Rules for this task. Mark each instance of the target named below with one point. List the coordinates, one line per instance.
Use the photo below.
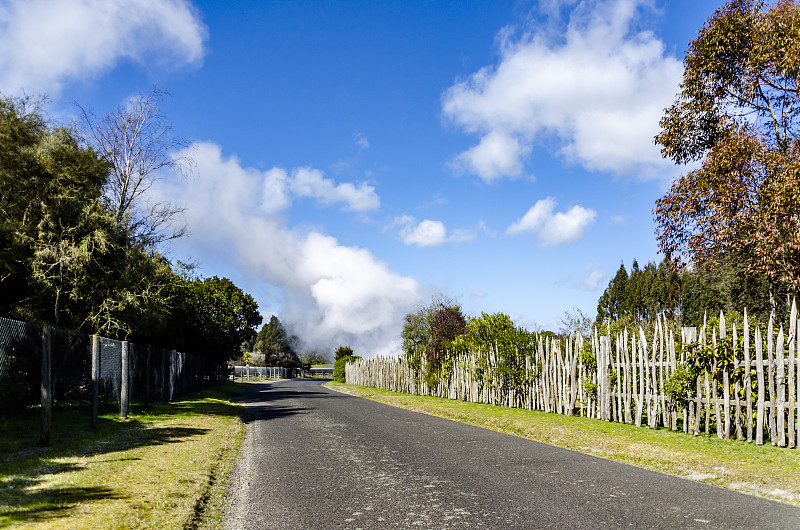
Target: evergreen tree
(277, 346)
(613, 302)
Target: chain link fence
(257, 373)
(20, 364)
(59, 369)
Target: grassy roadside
(165, 468)
(765, 471)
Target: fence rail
(742, 382)
(43, 365)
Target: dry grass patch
(765, 470)
(154, 470)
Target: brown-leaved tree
(737, 112)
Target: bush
(344, 356)
(679, 385)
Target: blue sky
(352, 158)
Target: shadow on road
(271, 413)
(268, 400)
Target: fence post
(147, 378)
(172, 373)
(123, 394)
(95, 379)
(46, 388)
(163, 379)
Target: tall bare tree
(138, 142)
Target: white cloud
(498, 154)
(534, 218)
(331, 294)
(588, 280)
(277, 187)
(275, 196)
(554, 229)
(427, 233)
(362, 142)
(592, 280)
(46, 43)
(598, 89)
(307, 182)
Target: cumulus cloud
(498, 154)
(45, 43)
(551, 228)
(427, 233)
(279, 186)
(307, 182)
(598, 88)
(332, 294)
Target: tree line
(80, 244)
(685, 295)
(437, 334)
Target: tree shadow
(23, 500)
(36, 506)
(270, 413)
(256, 393)
(24, 496)
(265, 401)
(178, 408)
(143, 435)
(19, 429)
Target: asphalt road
(316, 458)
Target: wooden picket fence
(747, 389)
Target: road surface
(316, 458)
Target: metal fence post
(172, 373)
(163, 375)
(95, 379)
(47, 390)
(147, 378)
(123, 394)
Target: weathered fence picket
(628, 379)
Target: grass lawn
(765, 470)
(163, 468)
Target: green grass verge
(765, 470)
(20, 431)
(163, 468)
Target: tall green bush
(344, 356)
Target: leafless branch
(138, 143)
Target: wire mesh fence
(57, 369)
(256, 373)
(20, 357)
